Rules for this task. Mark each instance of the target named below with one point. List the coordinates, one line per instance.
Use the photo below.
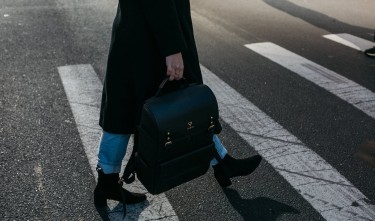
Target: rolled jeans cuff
(112, 150)
(221, 150)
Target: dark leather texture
(175, 137)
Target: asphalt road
(46, 173)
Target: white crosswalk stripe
(350, 41)
(331, 194)
(83, 89)
(347, 90)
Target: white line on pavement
(347, 90)
(331, 194)
(319, 183)
(83, 89)
(351, 41)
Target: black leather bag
(173, 144)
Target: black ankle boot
(230, 167)
(110, 187)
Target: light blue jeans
(112, 150)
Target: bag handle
(165, 81)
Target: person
(151, 40)
(366, 152)
(371, 51)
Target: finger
(179, 71)
(179, 67)
(171, 73)
(170, 70)
(179, 75)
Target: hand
(175, 66)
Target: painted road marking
(319, 183)
(331, 194)
(351, 41)
(347, 90)
(83, 89)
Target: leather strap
(165, 81)
(130, 168)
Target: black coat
(144, 32)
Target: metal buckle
(190, 125)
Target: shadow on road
(318, 19)
(258, 209)
(117, 213)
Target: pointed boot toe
(133, 198)
(230, 167)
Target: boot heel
(221, 178)
(99, 199)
